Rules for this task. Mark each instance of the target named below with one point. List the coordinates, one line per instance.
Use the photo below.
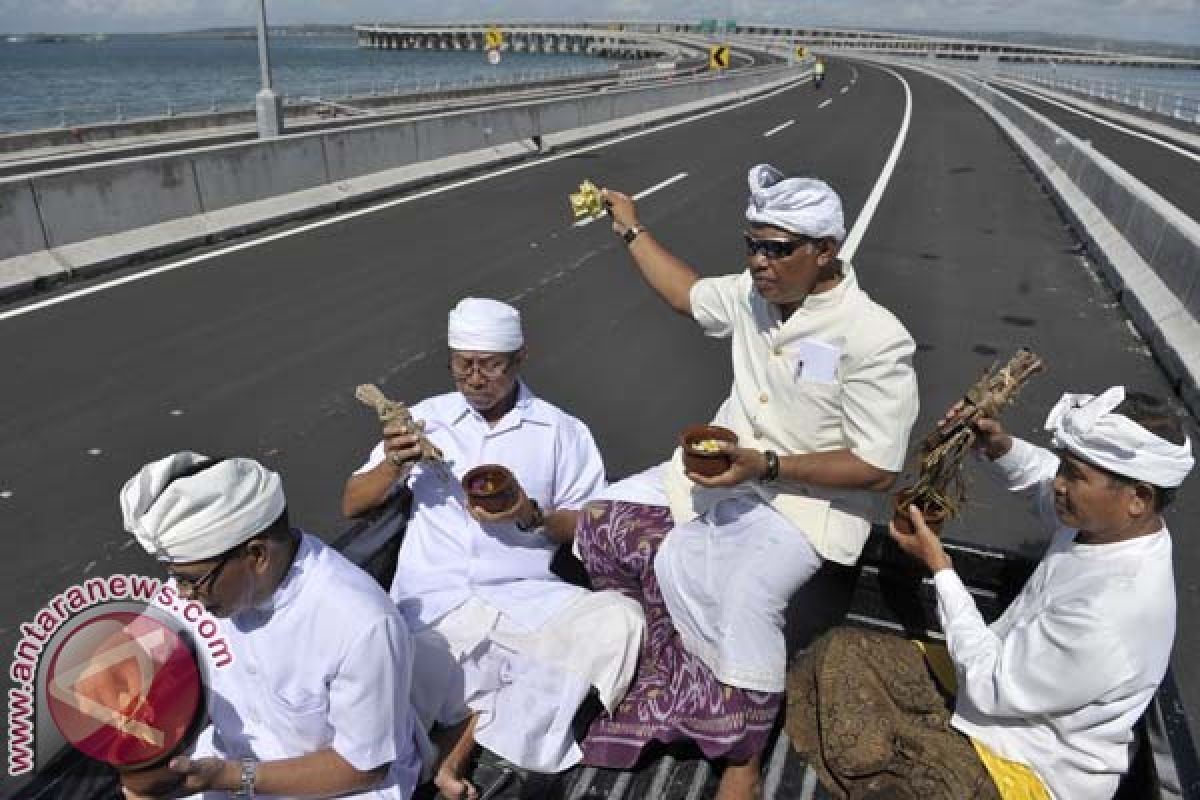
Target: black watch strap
(632, 233)
(771, 474)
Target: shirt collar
(525, 410)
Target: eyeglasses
(192, 586)
(773, 249)
(490, 368)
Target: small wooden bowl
(706, 464)
(491, 487)
(934, 518)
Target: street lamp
(267, 105)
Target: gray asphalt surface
(258, 352)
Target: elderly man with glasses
(315, 702)
(494, 626)
(823, 399)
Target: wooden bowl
(491, 487)
(701, 463)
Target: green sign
(731, 26)
(708, 25)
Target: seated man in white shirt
(823, 399)
(1047, 696)
(493, 625)
(315, 702)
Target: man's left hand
(199, 775)
(521, 512)
(746, 464)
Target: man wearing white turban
(823, 399)
(315, 702)
(494, 627)
(1048, 694)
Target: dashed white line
(778, 128)
(643, 193)
(868, 211)
(375, 209)
(90, 566)
(176, 412)
(95, 451)
(845, 89)
(7, 494)
(827, 102)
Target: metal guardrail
(1151, 101)
(338, 91)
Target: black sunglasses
(773, 249)
(191, 586)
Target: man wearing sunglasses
(823, 399)
(315, 702)
(494, 627)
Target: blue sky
(1166, 20)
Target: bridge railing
(1152, 101)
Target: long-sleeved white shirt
(1060, 679)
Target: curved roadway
(257, 351)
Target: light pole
(267, 105)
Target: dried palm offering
(392, 412)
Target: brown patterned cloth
(674, 695)
(865, 711)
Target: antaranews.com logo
(115, 667)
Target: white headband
(483, 325)
(804, 206)
(203, 515)
(1085, 425)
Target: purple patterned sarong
(674, 695)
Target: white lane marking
(1109, 124)
(177, 412)
(88, 567)
(845, 89)
(361, 212)
(778, 128)
(868, 211)
(827, 102)
(95, 451)
(7, 494)
(643, 193)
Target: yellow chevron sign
(494, 38)
(718, 57)
(801, 52)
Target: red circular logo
(124, 688)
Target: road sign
(801, 51)
(493, 57)
(493, 39)
(718, 57)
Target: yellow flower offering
(587, 202)
(707, 446)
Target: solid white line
(214, 254)
(864, 218)
(1137, 134)
(643, 193)
(778, 128)
(827, 102)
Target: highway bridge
(254, 347)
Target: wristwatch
(772, 472)
(632, 233)
(536, 521)
(249, 776)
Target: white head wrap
(486, 326)
(1085, 425)
(804, 206)
(203, 515)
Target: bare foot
(740, 781)
(453, 787)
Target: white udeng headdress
(484, 325)
(1085, 425)
(804, 206)
(203, 515)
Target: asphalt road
(1173, 175)
(257, 352)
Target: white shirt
(836, 375)
(447, 556)
(326, 664)
(1060, 679)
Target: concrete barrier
(101, 216)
